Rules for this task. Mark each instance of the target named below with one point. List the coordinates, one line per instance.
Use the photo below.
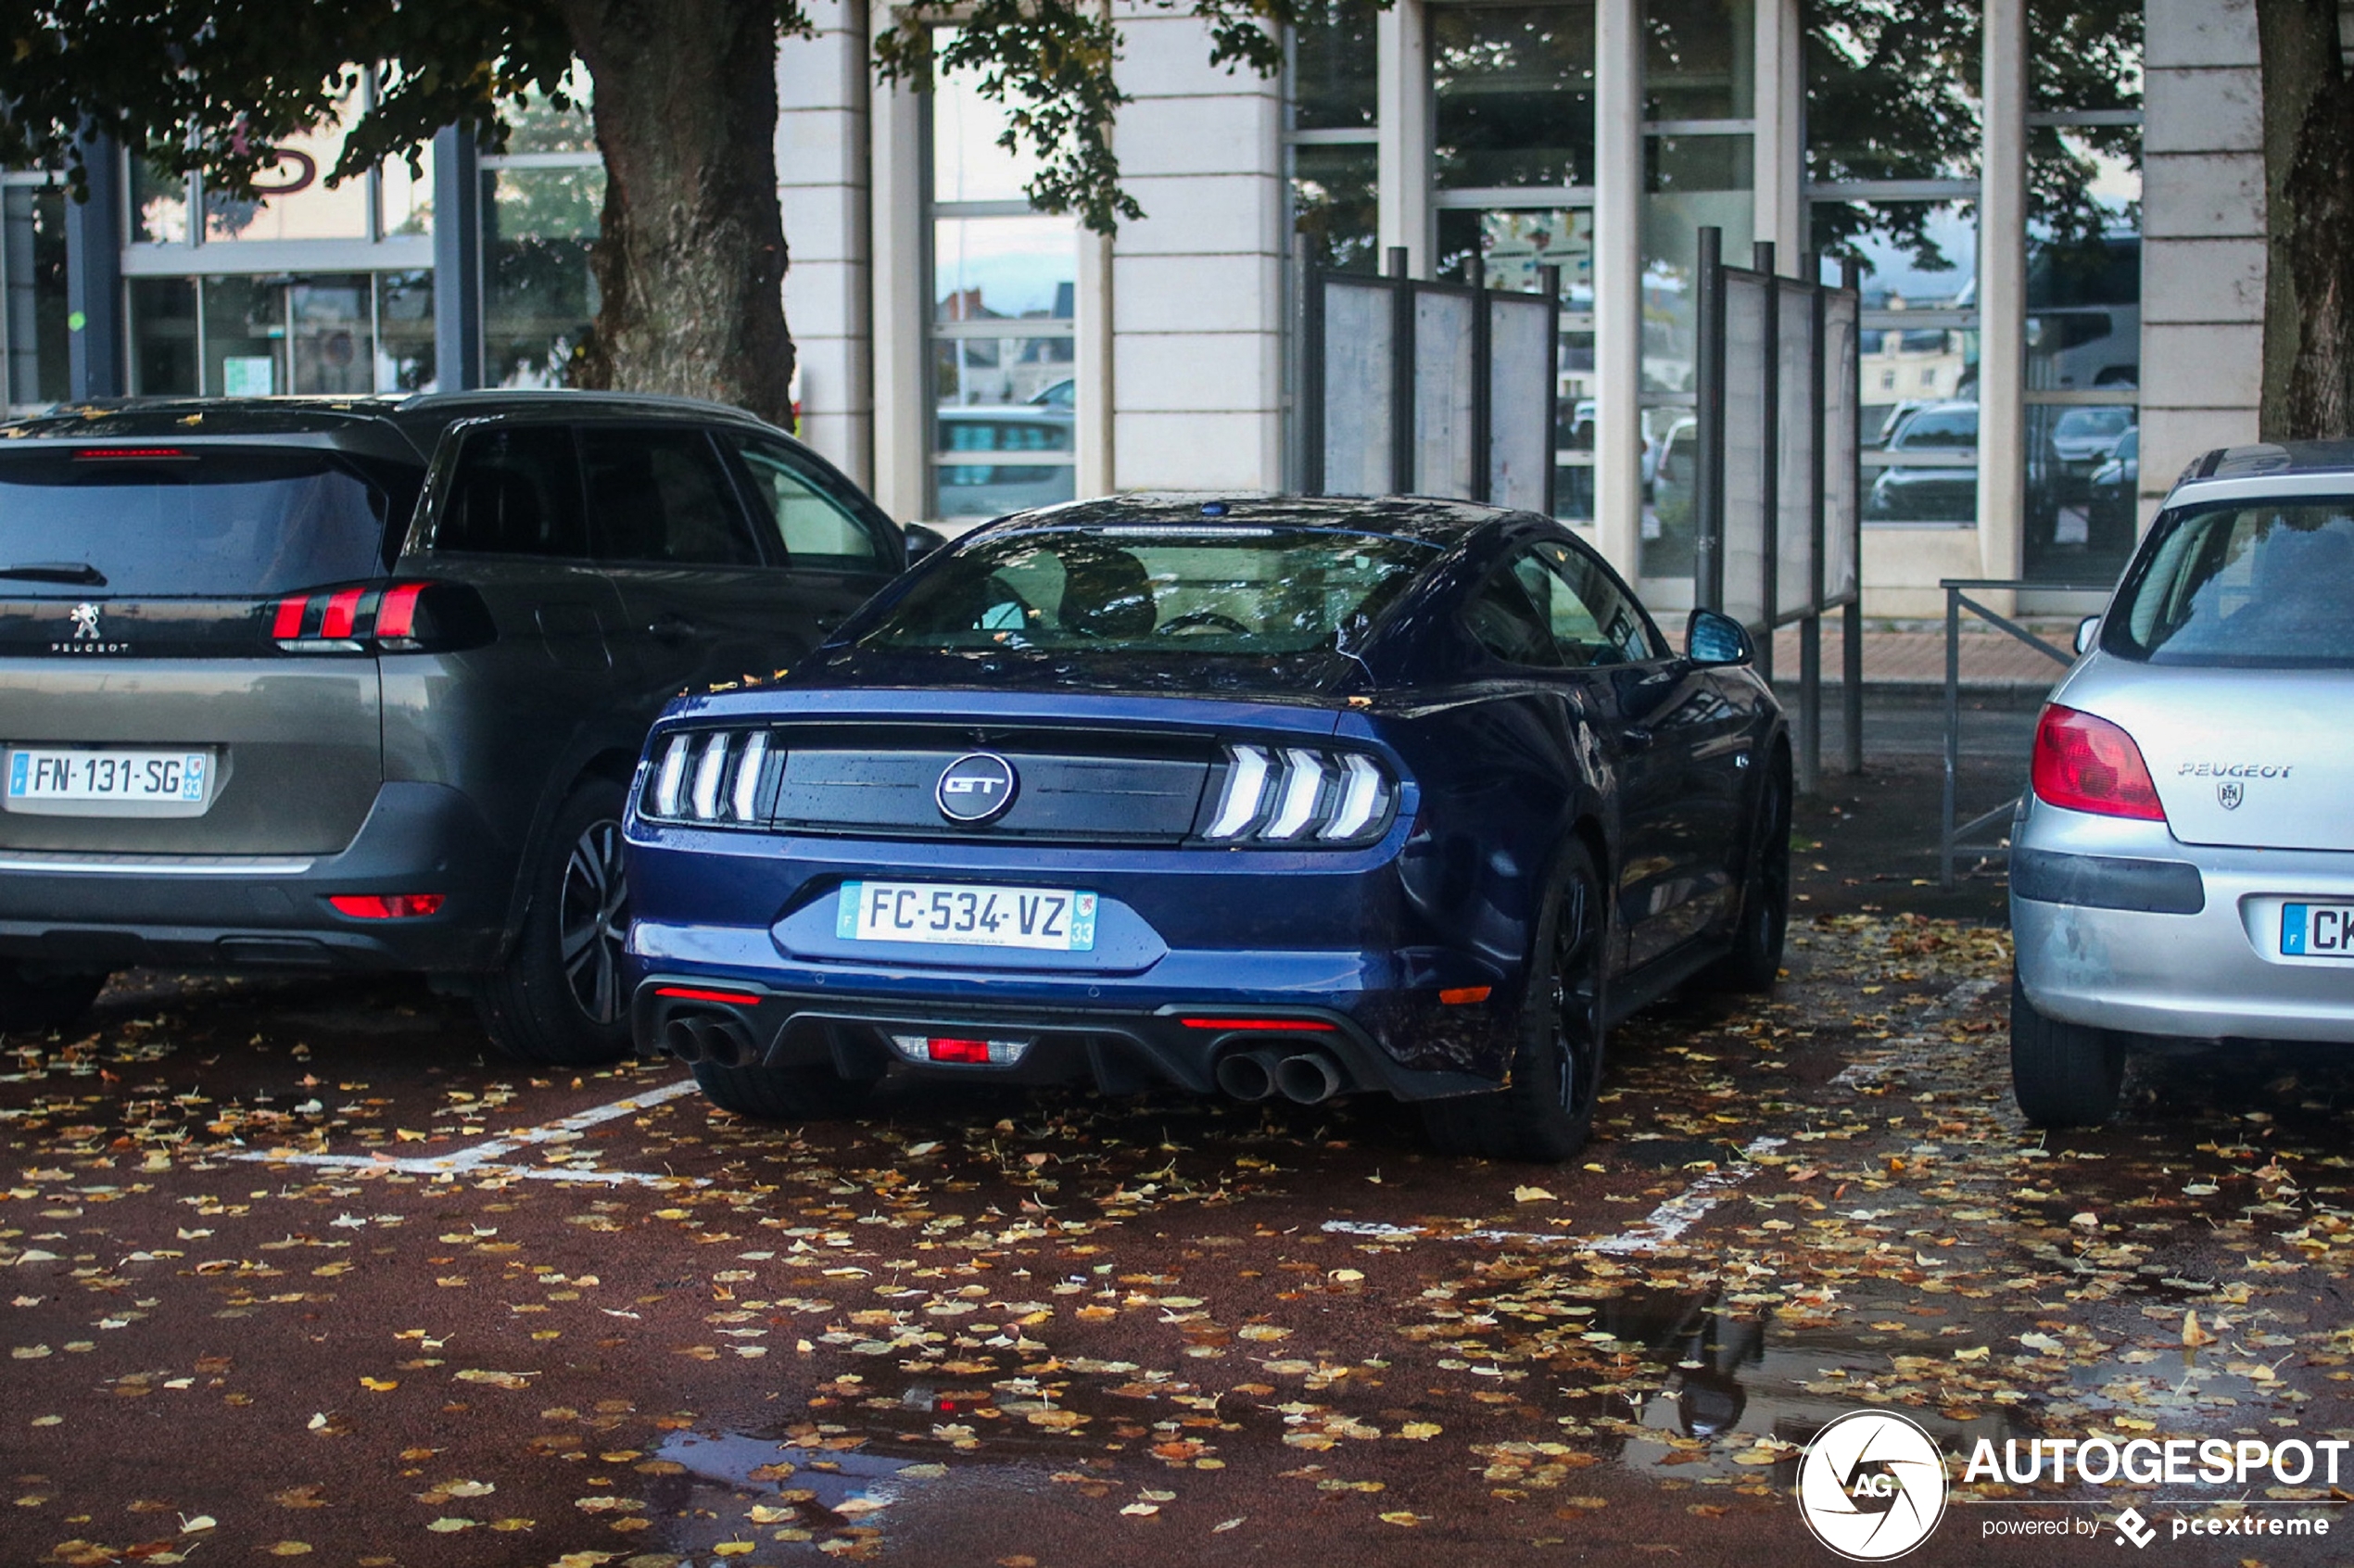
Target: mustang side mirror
(1712, 639)
(2088, 631)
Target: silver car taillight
(711, 775)
(1301, 795)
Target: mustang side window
(816, 531)
(1591, 621)
(1508, 622)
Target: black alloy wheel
(1546, 1109)
(561, 998)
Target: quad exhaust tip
(1310, 1077)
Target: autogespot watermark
(1873, 1485)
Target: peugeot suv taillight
(397, 617)
(1277, 794)
(2088, 764)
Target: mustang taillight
(708, 775)
(2088, 764)
(1300, 795)
(380, 618)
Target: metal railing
(1954, 837)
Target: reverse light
(387, 906)
(959, 1050)
(2087, 764)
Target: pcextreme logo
(1872, 1486)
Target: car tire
(2062, 1074)
(773, 1094)
(1755, 962)
(1546, 1109)
(34, 1000)
(561, 999)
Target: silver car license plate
(1050, 920)
(81, 781)
(2317, 931)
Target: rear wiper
(58, 572)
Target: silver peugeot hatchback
(2182, 869)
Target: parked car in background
(359, 683)
(1260, 797)
(1935, 492)
(2183, 870)
(2084, 438)
(2115, 490)
(987, 476)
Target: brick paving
(1907, 654)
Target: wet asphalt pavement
(296, 1271)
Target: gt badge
(978, 786)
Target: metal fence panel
(1358, 388)
(1794, 474)
(1744, 536)
(1446, 454)
(1840, 392)
(1520, 369)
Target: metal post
(1549, 282)
(1311, 383)
(456, 260)
(1851, 280)
(1482, 384)
(93, 277)
(1708, 455)
(1810, 632)
(1952, 734)
(1769, 467)
(1402, 374)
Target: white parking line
(1662, 1225)
(482, 1158)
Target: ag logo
(2230, 793)
(1872, 1486)
(976, 788)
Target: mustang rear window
(1157, 587)
(203, 525)
(2261, 585)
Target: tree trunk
(2308, 220)
(692, 260)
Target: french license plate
(1050, 919)
(42, 775)
(2317, 931)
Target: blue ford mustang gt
(1253, 797)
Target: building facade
(962, 354)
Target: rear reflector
(1262, 1026)
(959, 1050)
(696, 993)
(387, 906)
(1462, 995)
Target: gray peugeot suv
(359, 683)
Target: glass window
(1334, 50)
(405, 199)
(33, 263)
(292, 200)
(331, 335)
(1515, 95)
(404, 332)
(159, 204)
(1592, 619)
(515, 490)
(232, 524)
(1152, 588)
(539, 294)
(2264, 584)
(1891, 93)
(1696, 59)
(539, 126)
(663, 495)
(1691, 180)
(1507, 621)
(1335, 202)
(163, 337)
(815, 530)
